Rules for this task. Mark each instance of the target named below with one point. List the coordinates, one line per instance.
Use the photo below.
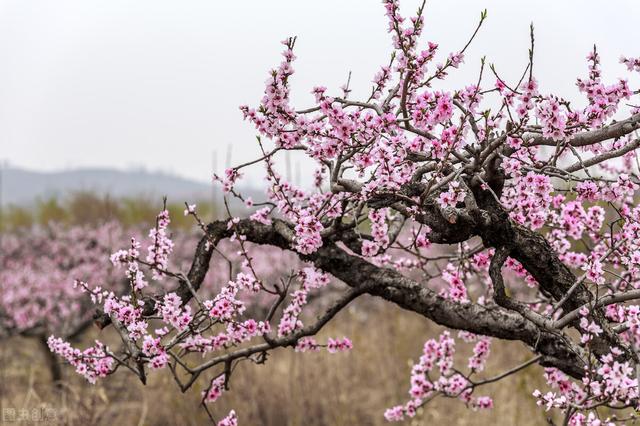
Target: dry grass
(292, 389)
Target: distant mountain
(20, 186)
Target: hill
(21, 186)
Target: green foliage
(86, 208)
(15, 218)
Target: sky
(157, 84)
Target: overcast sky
(157, 83)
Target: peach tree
(495, 210)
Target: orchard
(495, 210)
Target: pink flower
(191, 209)
(230, 420)
(215, 389)
(339, 345)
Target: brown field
(291, 389)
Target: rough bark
(488, 221)
(390, 285)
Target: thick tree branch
(612, 131)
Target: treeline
(86, 208)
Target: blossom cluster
(91, 363)
(437, 358)
(37, 269)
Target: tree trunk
(53, 362)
